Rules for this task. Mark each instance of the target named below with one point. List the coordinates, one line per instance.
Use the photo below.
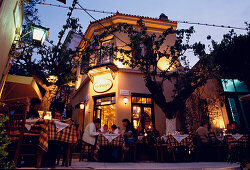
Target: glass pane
(144, 100)
(245, 108)
(148, 100)
(108, 115)
(234, 111)
(136, 99)
(228, 85)
(147, 117)
(240, 86)
(136, 116)
(133, 99)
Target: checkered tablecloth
(172, 142)
(232, 142)
(48, 131)
(102, 141)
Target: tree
(186, 80)
(51, 59)
(232, 56)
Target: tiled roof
(129, 15)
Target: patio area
(150, 165)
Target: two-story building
(112, 91)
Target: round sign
(103, 85)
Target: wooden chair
(21, 142)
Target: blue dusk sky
(219, 12)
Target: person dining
(105, 129)
(130, 133)
(32, 108)
(59, 108)
(114, 129)
(203, 142)
(89, 136)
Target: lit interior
(107, 115)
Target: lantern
(125, 100)
(82, 106)
(39, 34)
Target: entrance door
(105, 109)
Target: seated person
(105, 129)
(130, 133)
(32, 108)
(59, 108)
(233, 128)
(154, 132)
(114, 129)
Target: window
(237, 110)
(233, 85)
(142, 111)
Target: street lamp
(39, 34)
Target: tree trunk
(48, 97)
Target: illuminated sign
(103, 85)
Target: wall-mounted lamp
(82, 106)
(125, 100)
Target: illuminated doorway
(105, 109)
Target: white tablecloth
(179, 138)
(60, 125)
(111, 137)
(237, 136)
(30, 122)
(220, 138)
(165, 138)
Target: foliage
(186, 80)
(232, 56)
(49, 59)
(4, 141)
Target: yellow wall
(126, 78)
(7, 33)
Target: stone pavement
(153, 165)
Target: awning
(18, 88)
(246, 97)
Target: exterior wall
(125, 79)
(215, 105)
(9, 30)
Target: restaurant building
(112, 91)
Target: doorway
(105, 109)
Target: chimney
(163, 17)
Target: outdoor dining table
(236, 140)
(110, 141)
(54, 131)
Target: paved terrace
(153, 165)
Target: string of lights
(179, 21)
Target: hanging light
(82, 106)
(39, 34)
(125, 100)
(52, 79)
